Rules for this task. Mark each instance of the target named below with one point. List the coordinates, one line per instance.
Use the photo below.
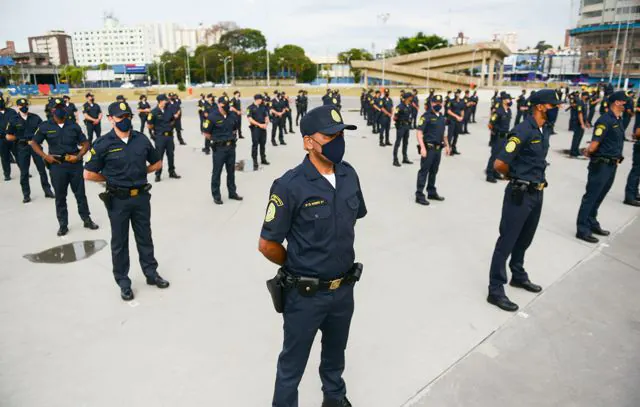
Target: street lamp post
(187, 76)
(268, 73)
(384, 17)
(226, 59)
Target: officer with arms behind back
(605, 153)
(92, 115)
(523, 161)
(120, 158)
(431, 140)
(20, 130)
(258, 116)
(220, 125)
(66, 147)
(499, 125)
(315, 207)
(160, 123)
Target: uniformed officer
(499, 125)
(122, 99)
(144, 108)
(236, 107)
(431, 140)
(402, 118)
(474, 106)
(467, 112)
(338, 99)
(47, 108)
(175, 107)
(302, 103)
(201, 104)
(455, 110)
(161, 123)
(209, 104)
(523, 161)
(605, 153)
(427, 103)
(579, 123)
(20, 130)
(6, 146)
(72, 110)
(377, 112)
(363, 97)
(631, 195)
(315, 207)
(415, 107)
(277, 122)
(258, 116)
(219, 129)
(119, 159)
(92, 117)
(629, 110)
(521, 106)
(386, 114)
(287, 114)
(66, 147)
(327, 99)
(594, 100)
(494, 101)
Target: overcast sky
(322, 27)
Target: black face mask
(24, 109)
(60, 113)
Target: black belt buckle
(307, 286)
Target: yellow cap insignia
(510, 147)
(58, 101)
(123, 106)
(336, 116)
(271, 212)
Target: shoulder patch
(150, 116)
(271, 212)
(494, 117)
(276, 200)
(421, 122)
(510, 147)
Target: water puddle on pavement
(67, 253)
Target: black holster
(276, 287)
(107, 198)
(517, 192)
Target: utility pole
(624, 53)
(384, 18)
(268, 79)
(204, 69)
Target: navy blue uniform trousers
(165, 144)
(385, 128)
(91, 130)
(599, 182)
(5, 156)
(631, 190)
(578, 133)
(517, 227)
(24, 155)
(223, 156)
(402, 136)
(453, 131)
(277, 124)
(137, 211)
(258, 141)
(65, 175)
(327, 311)
(429, 166)
(496, 143)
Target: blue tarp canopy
(7, 61)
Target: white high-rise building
(114, 44)
(169, 37)
(510, 39)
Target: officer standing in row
(277, 115)
(315, 207)
(631, 195)
(144, 108)
(6, 146)
(499, 125)
(119, 159)
(201, 107)
(20, 130)
(92, 116)
(467, 112)
(219, 128)
(521, 106)
(287, 114)
(175, 107)
(629, 110)
(579, 123)
(161, 123)
(209, 104)
(523, 161)
(431, 140)
(594, 100)
(66, 147)
(455, 110)
(302, 104)
(122, 99)
(377, 112)
(258, 116)
(236, 107)
(386, 114)
(72, 110)
(402, 118)
(474, 106)
(415, 107)
(605, 153)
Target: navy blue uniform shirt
(403, 114)
(143, 105)
(258, 113)
(526, 151)
(61, 140)
(501, 120)
(387, 103)
(329, 100)
(456, 106)
(162, 121)
(92, 110)
(5, 118)
(124, 165)
(277, 105)
(24, 129)
(220, 127)
(317, 220)
(609, 131)
(71, 112)
(432, 126)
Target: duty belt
(502, 134)
(403, 123)
(167, 133)
(224, 143)
(122, 193)
(607, 160)
(531, 186)
(23, 142)
(432, 146)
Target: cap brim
(336, 128)
(120, 114)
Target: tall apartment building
(57, 44)
(608, 34)
(114, 44)
(169, 37)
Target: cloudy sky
(322, 27)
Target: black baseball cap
(22, 102)
(437, 99)
(258, 96)
(619, 95)
(143, 96)
(222, 99)
(88, 94)
(161, 97)
(544, 96)
(118, 109)
(120, 97)
(56, 102)
(407, 95)
(324, 119)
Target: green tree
(355, 54)
(540, 48)
(291, 58)
(244, 39)
(410, 45)
(72, 75)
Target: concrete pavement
(212, 339)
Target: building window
(592, 14)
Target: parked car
(127, 85)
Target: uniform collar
(312, 173)
(113, 136)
